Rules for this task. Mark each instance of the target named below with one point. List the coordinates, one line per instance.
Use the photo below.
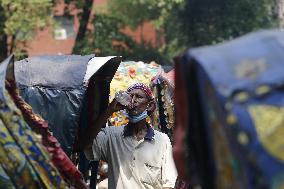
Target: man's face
(139, 100)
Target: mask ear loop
(148, 113)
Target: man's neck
(139, 129)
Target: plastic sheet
(61, 108)
(53, 86)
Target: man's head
(141, 98)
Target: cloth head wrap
(147, 91)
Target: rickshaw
(68, 91)
(30, 156)
(229, 102)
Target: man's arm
(96, 125)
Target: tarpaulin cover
(65, 71)
(243, 64)
(235, 105)
(61, 108)
(54, 86)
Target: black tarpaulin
(64, 71)
(56, 86)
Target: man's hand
(115, 106)
(96, 125)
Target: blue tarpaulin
(235, 106)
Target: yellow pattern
(9, 124)
(12, 159)
(269, 124)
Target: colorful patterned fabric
(23, 162)
(231, 99)
(30, 157)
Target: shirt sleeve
(100, 145)
(97, 151)
(169, 171)
(89, 152)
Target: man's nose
(133, 99)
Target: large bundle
(29, 155)
(230, 99)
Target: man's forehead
(146, 90)
(138, 91)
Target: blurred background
(147, 30)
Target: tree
(203, 22)
(108, 39)
(84, 18)
(279, 11)
(135, 13)
(190, 23)
(180, 24)
(19, 21)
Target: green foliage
(101, 40)
(108, 39)
(134, 13)
(205, 22)
(180, 24)
(22, 18)
(25, 16)
(212, 21)
(79, 4)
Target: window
(64, 28)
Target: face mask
(137, 118)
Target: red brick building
(60, 40)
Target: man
(138, 157)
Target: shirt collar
(149, 135)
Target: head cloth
(147, 91)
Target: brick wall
(45, 43)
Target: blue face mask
(137, 118)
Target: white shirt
(145, 164)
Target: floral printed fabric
(23, 161)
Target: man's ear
(151, 107)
